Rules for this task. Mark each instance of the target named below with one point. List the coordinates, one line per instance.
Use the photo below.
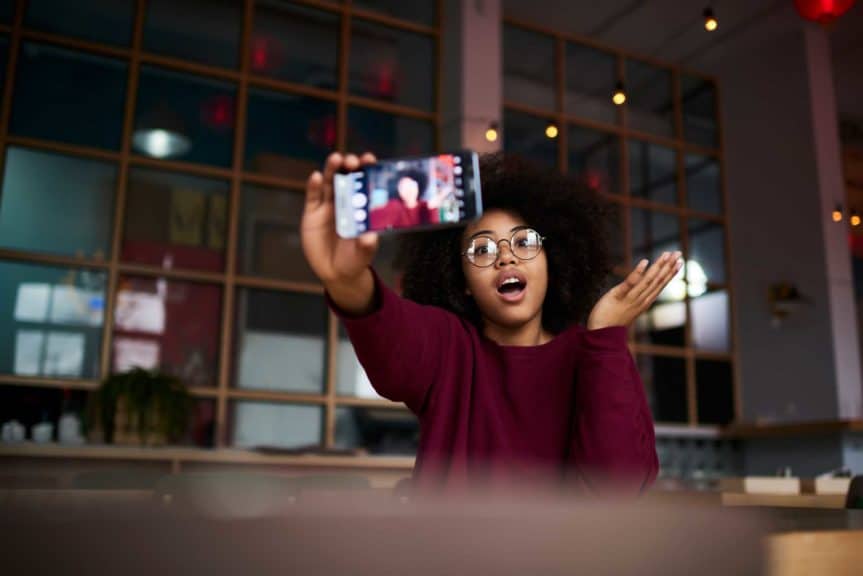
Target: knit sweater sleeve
(612, 437)
(401, 345)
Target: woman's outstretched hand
(629, 299)
(331, 257)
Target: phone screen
(408, 193)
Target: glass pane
(710, 320)
(715, 392)
(269, 235)
(381, 431)
(616, 240)
(170, 325)
(30, 405)
(7, 10)
(703, 188)
(58, 204)
(351, 379)
(421, 11)
(706, 252)
(175, 221)
(648, 98)
(528, 68)
(206, 31)
(665, 384)
(257, 424)
(652, 172)
(392, 65)
(183, 117)
(652, 234)
(387, 135)
(108, 21)
(69, 96)
(699, 110)
(50, 320)
(294, 43)
(524, 135)
(4, 60)
(288, 135)
(280, 341)
(591, 78)
(594, 158)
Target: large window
(657, 160)
(153, 160)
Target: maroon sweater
(573, 407)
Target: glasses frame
(509, 242)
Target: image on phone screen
(408, 193)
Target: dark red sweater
(573, 407)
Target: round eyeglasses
(483, 251)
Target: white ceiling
(672, 30)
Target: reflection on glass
(183, 117)
(648, 98)
(108, 21)
(652, 172)
(710, 322)
(528, 68)
(392, 65)
(525, 135)
(594, 158)
(68, 96)
(56, 204)
(257, 424)
(715, 392)
(703, 191)
(665, 385)
(382, 431)
(31, 405)
(388, 135)
(202, 424)
(206, 31)
(351, 379)
(707, 247)
(294, 43)
(280, 341)
(287, 134)
(591, 77)
(170, 325)
(50, 320)
(420, 11)
(175, 221)
(269, 234)
(699, 110)
(664, 324)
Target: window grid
(229, 281)
(623, 199)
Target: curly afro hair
(567, 213)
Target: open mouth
(511, 286)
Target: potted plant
(139, 407)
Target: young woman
(503, 347)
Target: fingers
(648, 279)
(314, 190)
(657, 289)
(367, 158)
(632, 279)
(331, 166)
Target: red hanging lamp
(823, 11)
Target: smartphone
(408, 194)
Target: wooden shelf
(822, 501)
(180, 455)
(792, 429)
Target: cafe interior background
(153, 160)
